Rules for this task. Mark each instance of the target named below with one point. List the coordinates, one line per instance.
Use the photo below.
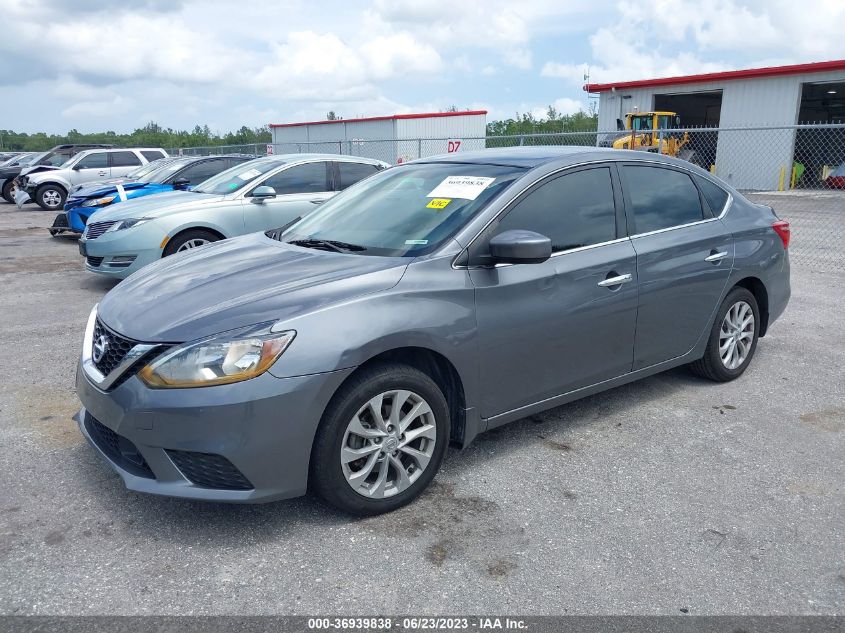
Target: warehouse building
(393, 139)
(775, 97)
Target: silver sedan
(254, 196)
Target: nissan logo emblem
(101, 348)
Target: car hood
(243, 281)
(37, 169)
(159, 205)
(101, 187)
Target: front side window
(572, 210)
(94, 161)
(408, 210)
(307, 178)
(350, 173)
(661, 198)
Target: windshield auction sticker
(464, 187)
(249, 174)
(438, 203)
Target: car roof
(534, 156)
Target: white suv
(48, 186)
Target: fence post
(419, 148)
(660, 142)
(521, 141)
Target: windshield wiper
(332, 245)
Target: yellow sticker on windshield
(438, 203)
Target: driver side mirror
(76, 167)
(259, 194)
(181, 183)
(520, 247)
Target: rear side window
(350, 173)
(572, 210)
(716, 197)
(152, 154)
(661, 198)
(124, 159)
(94, 161)
(307, 178)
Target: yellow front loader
(650, 132)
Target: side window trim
(629, 205)
(483, 237)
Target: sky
(96, 65)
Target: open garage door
(818, 152)
(696, 109)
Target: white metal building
(393, 139)
(776, 96)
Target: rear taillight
(781, 227)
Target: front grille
(61, 222)
(94, 262)
(208, 470)
(116, 346)
(117, 448)
(96, 229)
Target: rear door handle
(716, 257)
(615, 281)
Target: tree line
(154, 135)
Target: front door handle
(102, 173)
(321, 201)
(716, 257)
(615, 281)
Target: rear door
(684, 258)
(123, 162)
(91, 167)
(299, 190)
(550, 328)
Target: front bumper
(114, 257)
(193, 443)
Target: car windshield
(238, 176)
(34, 160)
(12, 160)
(143, 171)
(164, 170)
(404, 211)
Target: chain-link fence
(798, 170)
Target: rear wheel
(189, 240)
(733, 338)
(50, 197)
(381, 440)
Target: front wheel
(8, 192)
(733, 338)
(50, 197)
(189, 240)
(381, 440)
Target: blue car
(170, 174)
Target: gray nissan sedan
(424, 305)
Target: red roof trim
(815, 67)
(393, 117)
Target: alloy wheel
(192, 244)
(51, 198)
(388, 444)
(736, 335)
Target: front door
(550, 328)
(300, 189)
(684, 258)
(91, 167)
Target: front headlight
(99, 202)
(127, 224)
(220, 359)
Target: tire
(712, 365)
(192, 238)
(7, 192)
(50, 197)
(329, 477)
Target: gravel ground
(666, 496)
